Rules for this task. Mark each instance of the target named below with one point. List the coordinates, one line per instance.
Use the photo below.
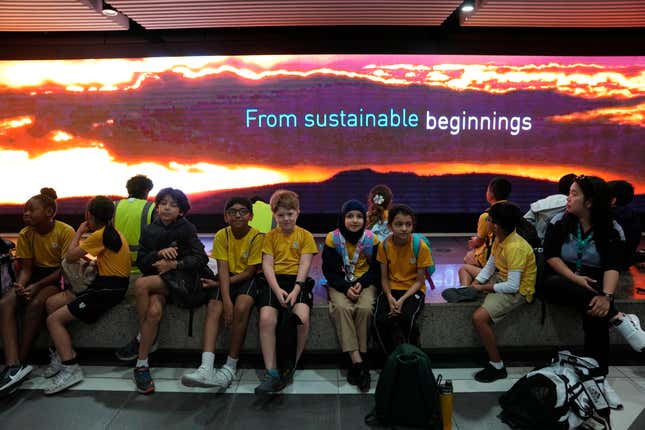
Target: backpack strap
(368, 244)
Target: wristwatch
(610, 296)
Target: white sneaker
(630, 329)
(612, 397)
(223, 377)
(201, 377)
(55, 365)
(68, 376)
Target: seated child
(42, 244)
(169, 253)
(351, 270)
(106, 291)
(379, 200)
(622, 194)
(287, 254)
(238, 251)
(402, 280)
(509, 279)
(497, 191)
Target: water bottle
(445, 403)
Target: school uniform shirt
(109, 263)
(485, 232)
(402, 266)
(46, 250)
(287, 249)
(362, 264)
(513, 254)
(238, 253)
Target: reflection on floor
(318, 399)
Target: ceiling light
(468, 6)
(109, 10)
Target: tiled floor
(317, 399)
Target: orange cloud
(623, 115)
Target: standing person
(585, 249)
(238, 251)
(134, 213)
(42, 245)
(541, 211)
(508, 278)
(106, 291)
(351, 270)
(262, 219)
(403, 281)
(379, 200)
(287, 253)
(169, 253)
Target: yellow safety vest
(130, 218)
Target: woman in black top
(585, 249)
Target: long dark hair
(102, 209)
(596, 191)
(376, 211)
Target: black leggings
(403, 328)
(560, 290)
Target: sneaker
(612, 397)
(143, 380)
(270, 385)
(630, 328)
(287, 375)
(66, 377)
(364, 379)
(354, 374)
(223, 377)
(54, 366)
(13, 375)
(130, 351)
(200, 377)
(490, 374)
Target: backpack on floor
(407, 393)
(561, 396)
(417, 238)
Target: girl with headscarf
(349, 265)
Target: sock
(499, 365)
(463, 286)
(231, 363)
(71, 362)
(208, 358)
(138, 337)
(274, 373)
(142, 363)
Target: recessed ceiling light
(468, 6)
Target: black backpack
(407, 393)
(7, 276)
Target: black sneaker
(270, 385)
(143, 380)
(490, 374)
(364, 378)
(130, 351)
(354, 374)
(11, 376)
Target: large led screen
(435, 128)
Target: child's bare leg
(60, 336)
(241, 312)
(214, 310)
(302, 310)
(268, 323)
(34, 316)
(143, 288)
(9, 328)
(150, 325)
(467, 274)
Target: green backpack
(407, 393)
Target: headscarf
(351, 205)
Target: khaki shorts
(498, 305)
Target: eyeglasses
(240, 212)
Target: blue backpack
(417, 238)
(366, 245)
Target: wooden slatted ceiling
(58, 15)
(559, 13)
(166, 14)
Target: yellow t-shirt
(109, 263)
(362, 265)
(514, 253)
(47, 250)
(287, 249)
(239, 253)
(484, 231)
(402, 266)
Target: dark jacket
(181, 233)
(631, 225)
(333, 270)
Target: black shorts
(101, 296)
(265, 296)
(247, 288)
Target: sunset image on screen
(431, 123)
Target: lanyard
(581, 244)
(350, 266)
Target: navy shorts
(265, 296)
(247, 287)
(102, 295)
